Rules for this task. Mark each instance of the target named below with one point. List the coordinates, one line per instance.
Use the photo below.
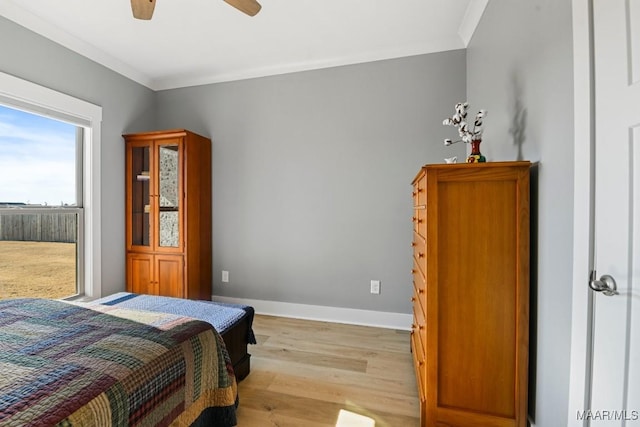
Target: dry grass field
(37, 269)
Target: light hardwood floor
(304, 373)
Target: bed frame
(236, 340)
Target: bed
(232, 321)
(71, 365)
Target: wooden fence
(39, 227)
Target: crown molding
(471, 19)
(287, 68)
(24, 18)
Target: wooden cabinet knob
(420, 255)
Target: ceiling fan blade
(250, 7)
(143, 9)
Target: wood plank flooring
(308, 374)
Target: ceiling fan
(143, 9)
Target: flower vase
(476, 156)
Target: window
(77, 156)
(41, 254)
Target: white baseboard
(352, 316)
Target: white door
(615, 391)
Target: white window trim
(21, 92)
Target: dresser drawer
(419, 250)
(418, 315)
(420, 221)
(419, 283)
(419, 363)
(420, 192)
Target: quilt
(68, 365)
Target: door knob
(606, 284)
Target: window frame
(31, 97)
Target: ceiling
(193, 42)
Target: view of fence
(39, 227)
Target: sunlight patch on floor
(351, 419)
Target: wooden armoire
(470, 332)
(168, 214)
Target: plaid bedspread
(67, 365)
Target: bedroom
(366, 128)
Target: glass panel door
(169, 200)
(140, 196)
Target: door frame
(583, 212)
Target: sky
(37, 159)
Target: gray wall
(312, 173)
(126, 107)
(520, 68)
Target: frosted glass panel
(169, 175)
(169, 196)
(169, 230)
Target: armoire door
(170, 275)
(140, 274)
(168, 196)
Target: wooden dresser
(470, 332)
(168, 214)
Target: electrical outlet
(225, 276)
(375, 287)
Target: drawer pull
(421, 291)
(413, 299)
(420, 255)
(414, 244)
(413, 271)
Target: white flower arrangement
(459, 120)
